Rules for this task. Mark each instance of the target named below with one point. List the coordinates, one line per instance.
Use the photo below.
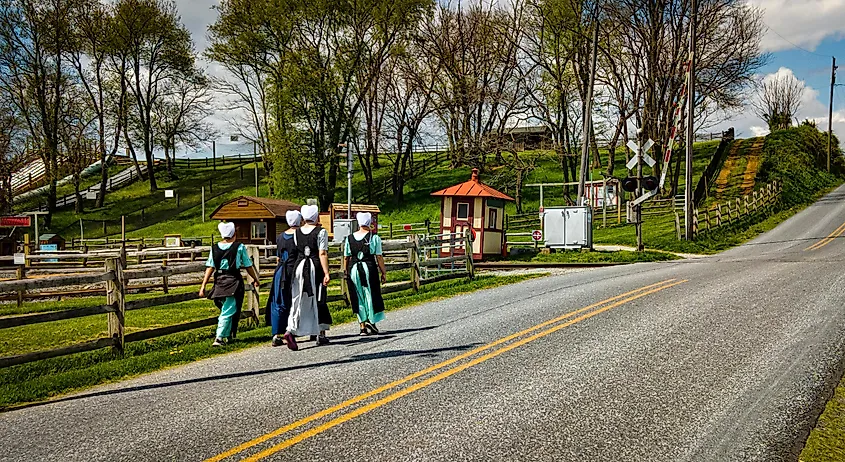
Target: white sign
(173, 241)
(91, 195)
(20, 258)
(168, 193)
(638, 152)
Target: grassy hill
(152, 215)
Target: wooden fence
(724, 214)
(116, 276)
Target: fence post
(253, 305)
(677, 224)
(391, 230)
(468, 252)
(164, 281)
(414, 259)
(344, 286)
(20, 273)
(115, 292)
(27, 263)
(427, 227)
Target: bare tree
(34, 39)
(779, 99)
(181, 116)
(160, 53)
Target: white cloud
(803, 22)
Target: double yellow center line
(490, 350)
(830, 238)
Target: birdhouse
(476, 207)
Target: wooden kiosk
(474, 206)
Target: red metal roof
(472, 188)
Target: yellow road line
(830, 238)
(416, 375)
(447, 373)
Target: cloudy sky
(802, 36)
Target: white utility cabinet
(568, 227)
(343, 228)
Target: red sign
(406, 227)
(12, 222)
(537, 235)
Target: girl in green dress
(364, 263)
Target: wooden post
(344, 286)
(26, 250)
(391, 230)
(252, 295)
(164, 282)
(414, 254)
(468, 252)
(115, 294)
(20, 273)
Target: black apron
(367, 259)
(308, 253)
(228, 282)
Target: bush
(797, 157)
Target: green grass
(826, 442)
(622, 256)
(53, 377)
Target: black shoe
(321, 340)
(364, 331)
(371, 327)
(278, 341)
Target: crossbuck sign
(641, 152)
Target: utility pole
(690, 125)
(640, 246)
(349, 165)
(255, 158)
(588, 116)
(830, 113)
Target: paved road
(722, 358)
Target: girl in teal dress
(364, 262)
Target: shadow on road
(434, 352)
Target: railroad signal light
(629, 184)
(650, 183)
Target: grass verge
(827, 441)
(50, 378)
(622, 256)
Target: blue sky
(801, 36)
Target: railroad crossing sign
(537, 235)
(633, 146)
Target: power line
(795, 44)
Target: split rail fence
(720, 215)
(449, 261)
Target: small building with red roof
(475, 206)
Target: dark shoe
(291, 341)
(371, 327)
(278, 341)
(321, 340)
(364, 331)
(312, 338)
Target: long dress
(279, 301)
(228, 291)
(309, 313)
(366, 299)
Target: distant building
(257, 220)
(525, 138)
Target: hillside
(151, 215)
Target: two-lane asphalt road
(720, 358)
